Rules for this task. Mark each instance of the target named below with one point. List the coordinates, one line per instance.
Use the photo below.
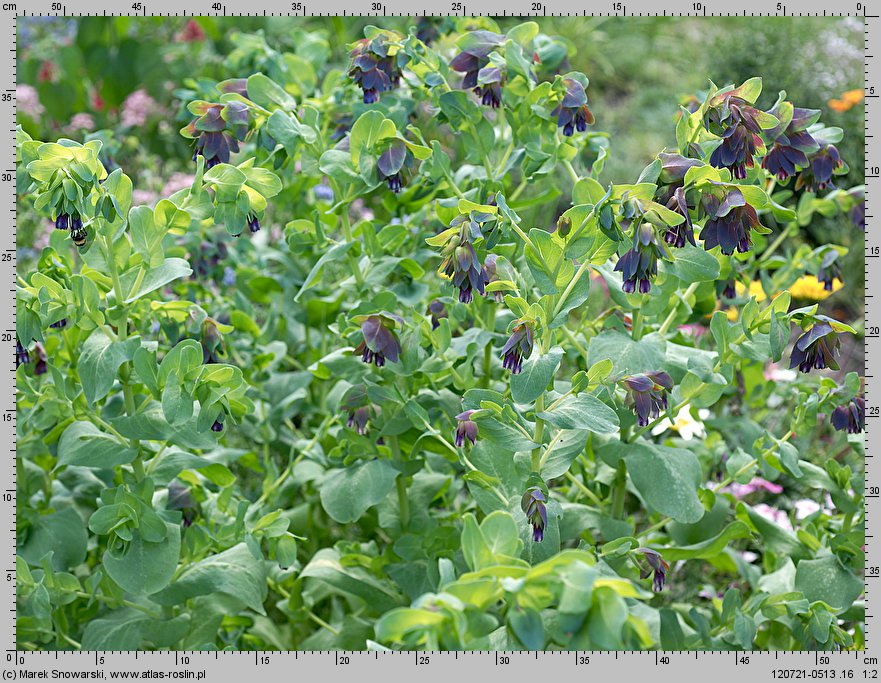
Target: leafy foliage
(365, 383)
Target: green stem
(586, 491)
(619, 490)
(347, 234)
(539, 433)
(122, 334)
(662, 330)
(570, 169)
(518, 191)
(776, 243)
(656, 421)
(529, 243)
(566, 292)
(488, 350)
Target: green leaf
(709, 548)
(351, 580)
(627, 355)
(693, 264)
(146, 236)
(267, 93)
(346, 494)
(99, 363)
(336, 252)
(537, 372)
(583, 412)
(168, 271)
(526, 624)
(667, 479)
(826, 579)
(63, 533)
(370, 128)
(82, 444)
(234, 572)
(142, 567)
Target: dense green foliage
(401, 364)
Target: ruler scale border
(437, 666)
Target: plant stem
(662, 330)
(347, 234)
(776, 243)
(570, 169)
(488, 350)
(529, 243)
(122, 334)
(539, 433)
(518, 191)
(566, 292)
(403, 501)
(651, 425)
(586, 491)
(619, 490)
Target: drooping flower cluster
(851, 417)
(475, 47)
(379, 342)
(647, 394)
(572, 112)
(658, 567)
(211, 342)
(358, 408)
(217, 129)
(390, 164)
(437, 311)
(40, 358)
(375, 67)
(734, 120)
(823, 165)
(830, 270)
(22, 357)
(466, 428)
(816, 349)
(533, 504)
(678, 235)
(639, 265)
(461, 264)
(490, 80)
(792, 142)
(518, 347)
(729, 222)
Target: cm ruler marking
(440, 666)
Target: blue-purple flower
(437, 311)
(475, 47)
(22, 357)
(358, 408)
(678, 235)
(830, 269)
(792, 141)
(461, 264)
(466, 428)
(639, 265)
(818, 175)
(380, 342)
(647, 394)
(390, 164)
(533, 504)
(518, 347)
(217, 129)
(657, 566)
(736, 121)
(729, 222)
(851, 417)
(572, 112)
(816, 349)
(217, 425)
(373, 69)
(40, 366)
